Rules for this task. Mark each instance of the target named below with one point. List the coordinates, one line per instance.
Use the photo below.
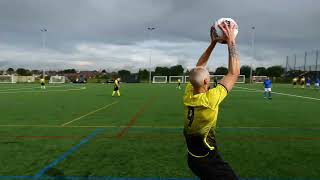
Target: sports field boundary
(91, 112)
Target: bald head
(199, 77)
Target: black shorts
(211, 167)
(115, 88)
(294, 83)
(42, 84)
(178, 84)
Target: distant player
(267, 88)
(215, 82)
(294, 81)
(303, 82)
(43, 83)
(116, 88)
(179, 84)
(316, 83)
(308, 83)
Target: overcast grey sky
(111, 34)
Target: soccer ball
(216, 29)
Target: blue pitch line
(117, 178)
(65, 155)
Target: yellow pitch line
(92, 112)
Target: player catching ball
(201, 106)
(116, 88)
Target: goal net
(258, 79)
(57, 79)
(25, 79)
(159, 79)
(174, 79)
(241, 79)
(8, 79)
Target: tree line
(177, 70)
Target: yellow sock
(118, 92)
(113, 93)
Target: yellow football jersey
(179, 80)
(201, 112)
(41, 80)
(295, 79)
(116, 83)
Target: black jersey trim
(224, 87)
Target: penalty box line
(284, 94)
(92, 112)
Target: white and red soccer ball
(217, 30)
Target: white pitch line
(284, 94)
(92, 112)
(42, 91)
(34, 87)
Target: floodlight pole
(253, 51)
(150, 29)
(43, 37)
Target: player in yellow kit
(294, 82)
(201, 105)
(42, 83)
(179, 84)
(116, 88)
(303, 82)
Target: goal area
(159, 79)
(57, 79)
(8, 79)
(258, 79)
(174, 79)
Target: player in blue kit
(267, 88)
(316, 83)
(308, 83)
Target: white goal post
(57, 79)
(8, 79)
(241, 78)
(258, 79)
(174, 79)
(186, 79)
(159, 79)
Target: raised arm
(203, 60)
(231, 78)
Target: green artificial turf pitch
(141, 131)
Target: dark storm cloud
(282, 28)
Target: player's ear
(206, 81)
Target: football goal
(8, 79)
(186, 79)
(57, 79)
(258, 79)
(159, 79)
(241, 78)
(26, 79)
(174, 79)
